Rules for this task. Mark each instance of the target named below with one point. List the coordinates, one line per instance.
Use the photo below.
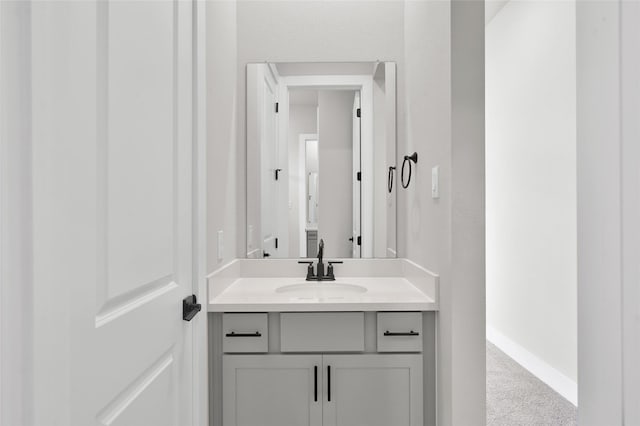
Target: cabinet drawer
(322, 332)
(399, 332)
(245, 333)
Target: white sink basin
(321, 290)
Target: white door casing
(16, 310)
(113, 142)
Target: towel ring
(408, 159)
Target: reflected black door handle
(190, 307)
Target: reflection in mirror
(311, 172)
(320, 140)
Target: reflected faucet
(320, 264)
(320, 275)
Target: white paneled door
(112, 102)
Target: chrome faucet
(320, 276)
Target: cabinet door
(272, 390)
(372, 390)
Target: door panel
(139, 140)
(138, 174)
(271, 390)
(113, 206)
(373, 390)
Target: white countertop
(242, 293)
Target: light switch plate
(435, 182)
(220, 245)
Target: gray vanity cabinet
(323, 369)
(327, 390)
(373, 390)
(272, 390)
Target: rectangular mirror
(321, 152)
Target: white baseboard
(536, 366)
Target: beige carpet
(517, 398)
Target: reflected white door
(357, 187)
(269, 162)
(112, 183)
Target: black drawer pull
(402, 333)
(234, 334)
(315, 383)
(329, 383)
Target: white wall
(531, 186)
(223, 185)
(312, 31)
(335, 153)
(444, 83)
(303, 119)
(424, 224)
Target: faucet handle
(310, 272)
(330, 274)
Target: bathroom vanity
(348, 343)
(356, 351)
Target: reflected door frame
(302, 189)
(363, 84)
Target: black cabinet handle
(403, 333)
(315, 383)
(329, 383)
(234, 334)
